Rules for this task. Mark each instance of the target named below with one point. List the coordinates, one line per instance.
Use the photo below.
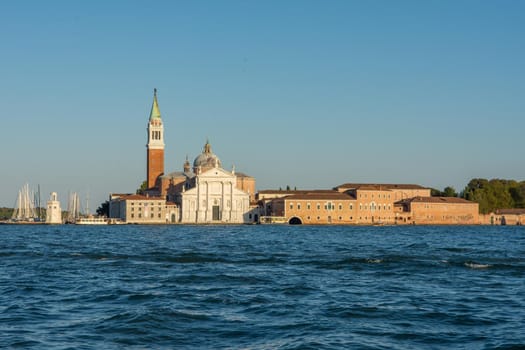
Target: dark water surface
(262, 287)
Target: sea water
(262, 287)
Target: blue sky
(302, 93)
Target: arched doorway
(295, 221)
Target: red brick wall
(247, 184)
(155, 165)
(445, 213)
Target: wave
(474, 265)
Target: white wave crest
(374, 261)
(476, 266)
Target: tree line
(495, 194)
(489, 194)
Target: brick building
(366, 204)
(437, 211)
(505, 217)
(139, 209)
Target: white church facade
(214, 198)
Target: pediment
(216, 173)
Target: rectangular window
(298, 206)
(291, 206)
(318, 206)
(340, 207)
(308, 206)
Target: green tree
(103, 210)
(435, 193)
(449, 192)
(6, 213)
(143, 187)
(495, 194)
(518, 195)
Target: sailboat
(73, 208)
(25, 211)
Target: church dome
(207, 159)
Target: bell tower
(155, 144)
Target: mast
(38, 204)
(87, 204)
(73, 207)
(25, 209)
(17, 206)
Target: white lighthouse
(53, 212)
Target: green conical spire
(155, 111)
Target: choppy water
(262, 287)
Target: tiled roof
(515, 211)
(178, 174)
(321, 195)
(294, 191)
(374, 188)
(238, 174)
(383, 186)
(450, 200)
(140, 197)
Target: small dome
(207, 159)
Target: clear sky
(302, 93)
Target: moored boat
(92, 220)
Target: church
(204, 193)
